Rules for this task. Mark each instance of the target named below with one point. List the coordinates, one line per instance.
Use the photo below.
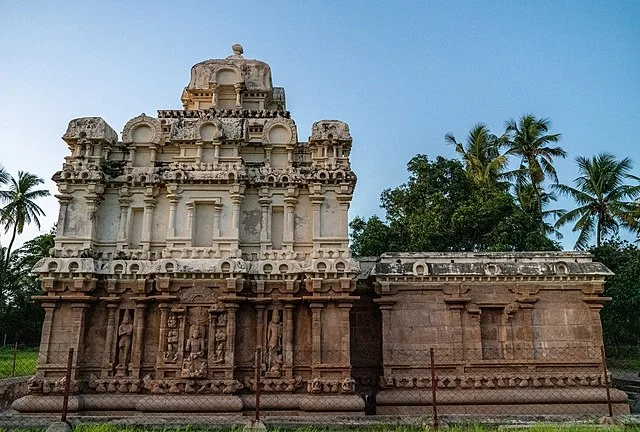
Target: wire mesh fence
(205, 384)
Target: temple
(208, 242)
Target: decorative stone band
(229, 113)
(495, 381)
(52, 266)
(488, 264)
(190, 386)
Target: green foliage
(20, 316)
(528, 140)
(605, 200)
(441, 208)
(620, 320)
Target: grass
(26, 359)
(543, 427)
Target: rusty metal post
(434, 404)
(257, 378)
(67, 386)
(15, 353)
(606, 380)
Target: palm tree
(525, 199)
(528, 140)
(20, 208)
(605, 201)
(480, 154)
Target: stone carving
(89, 128)
(125, 332)
(195, 363)
(143, 120)
(221, 341)
(274, 346)
(495, 381)
(171, 354)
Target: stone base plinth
(287, 404)
(305, 403)
(555, 401)
(131, 403)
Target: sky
(402, 74)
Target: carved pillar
(345, 354)
(78, 321)
(162, 334)
(316, 333)
(264, 226)
(190, 226)
(137, 353)
(386, 307)
(45, 340)
(199, 146)
(287, 345)
(473, 336)
(147, 221)
(289, 222)
(214, 94)
(316, 202)
(236, 199)
(154, 154)
(217, 210)
(173, 197)
(238, 88)
(125, 201)
(64, 200)
(343, 201)
(107, 359)
(216, 153)
(93, 201)
(231, 338)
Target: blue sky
(402, 74)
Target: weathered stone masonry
(207, 232)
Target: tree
(20, 316)
(370, 237)
(20, 208)
(481, 154)
(620, 322)
(528, 139)
(605, 201)
(525, 198)
(441, 208)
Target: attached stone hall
(205, 240)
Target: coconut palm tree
(481, 154)
(20, 208)
(528, 140)
(605, 200)
(525, 199)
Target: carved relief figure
(171, 355)
(221, 341)
(125, 330)
(195, 344)
(195, 366)
(274, 346)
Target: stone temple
(203, 234)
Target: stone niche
(206, 235)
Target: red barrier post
(606, 380)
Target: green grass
(26, 360)
(378, 428)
